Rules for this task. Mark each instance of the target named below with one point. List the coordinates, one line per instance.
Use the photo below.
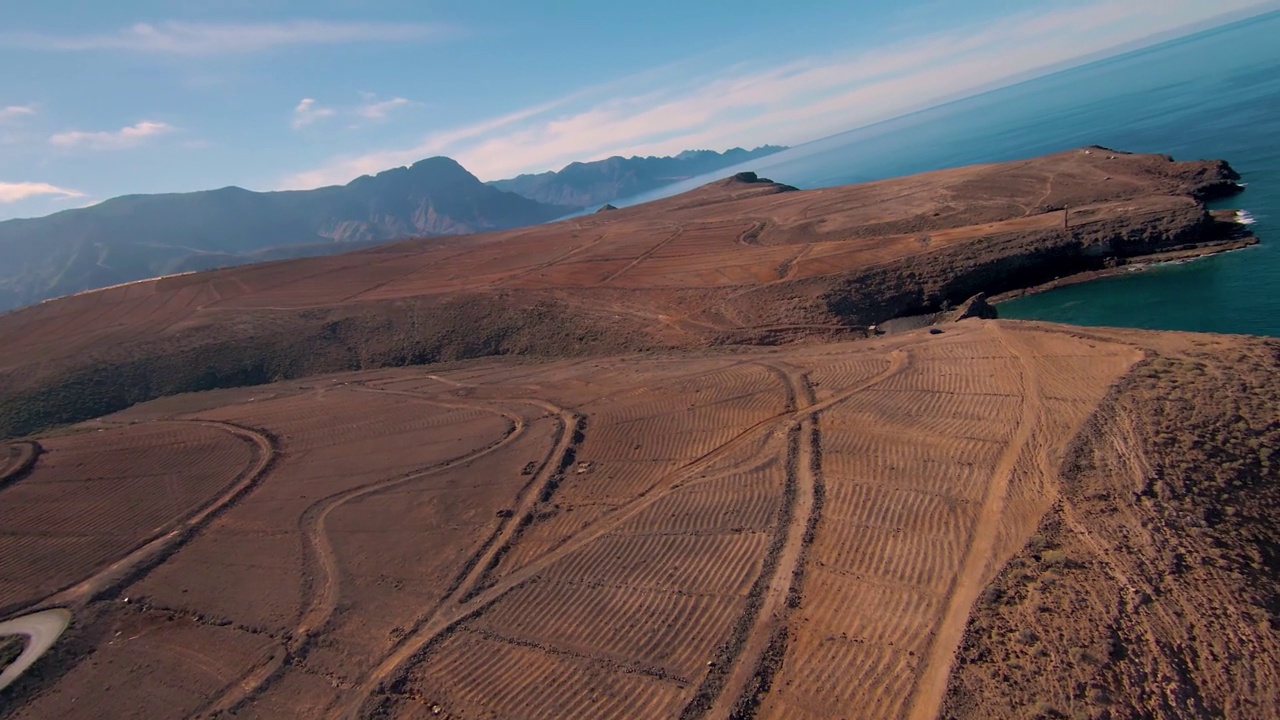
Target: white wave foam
(1244, 218)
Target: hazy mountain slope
(594, 183)
(139, 236)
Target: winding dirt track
(931, 684)
(771, 534)
(154, 551)
(449, 615)
(321, 555)
(773, 606)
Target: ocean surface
(1214, 94)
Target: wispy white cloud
(187, 38)
(371, 110)
(374, 109)
(125, 137)
(791, 102)
(13, 112)
(307, 111)
(11, 192)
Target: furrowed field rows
(887, 614)
(692, 563)
(895, 555)
(830, 376)
(474, 676)
(268, 591)
(981, 417)
(989, 376)
(748, 501)
(878, 506)
(752, 401)
(608, 486)
(671, 439)
(661, 634)
(409, 542)
(1060, 375)
(901, 466)
(703, 238)
(585, 498)
(93, 497)
(711, 390)
(840, 675)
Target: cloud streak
(186, 38)
(307, 111)
(379, 110)
(790, 102)
(125, 137)
(13, 112)
(11, 192)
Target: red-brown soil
(733, 262)
(94, 496)
(860, 529)
(1149, 588)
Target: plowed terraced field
(786, 533)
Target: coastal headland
(740, 261)
(656, 462)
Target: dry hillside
(999, 520)
(739, 261)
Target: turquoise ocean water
(1215, 94)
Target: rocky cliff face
(928, 282)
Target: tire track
(568, 437)
(930, 684)
(322, 560)
(424, 636)
(520, 274)
(644, 256)
(137, 563)
(764, 615)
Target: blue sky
(102, 99)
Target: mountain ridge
(139, 236)
(585, 184)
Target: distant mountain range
(139, 236)
(594, 183)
